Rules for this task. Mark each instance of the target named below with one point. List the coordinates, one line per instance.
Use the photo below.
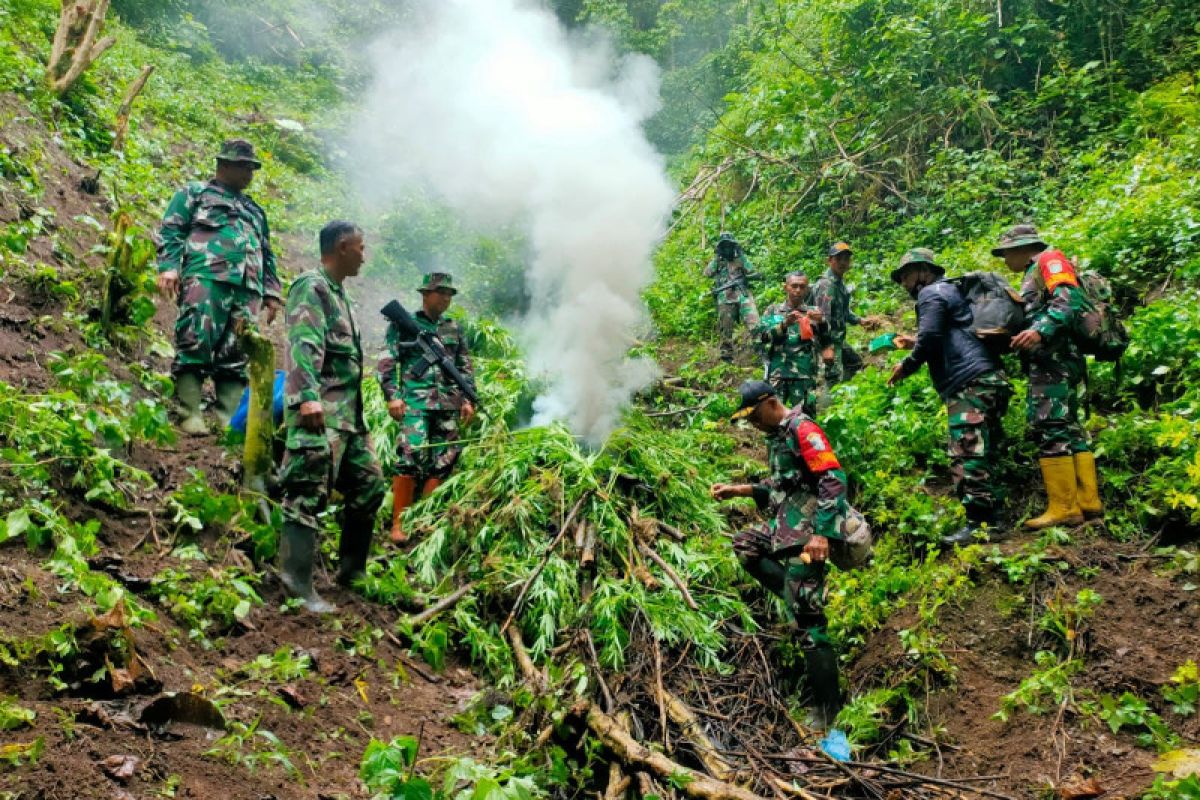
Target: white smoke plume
(497, 110)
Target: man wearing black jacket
(969, 379)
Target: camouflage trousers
(729, 315)
(845, 364)
(345, 461)
(782, 572)
(206, 339)
(797, 392)
(1052, 407)
(976, 414)
(423, 449)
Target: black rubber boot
(986, 524)
(354, 546)
(297, 546)
(821, 671)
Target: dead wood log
(257, 457)
(587, 559)
(122, 125)
(634, 754)
(75, 46)
(446, 602)
(682, 716)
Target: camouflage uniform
(805, 495)
(976, 414)
(432, 402)
(325, 363)
(219, 242)
(792, 360)
(832, 297)
(735, 303)
(1056, 369)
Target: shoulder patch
(815, 448)
(1056, 270)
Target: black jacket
(945, 342)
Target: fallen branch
(446, 602)
(653, 555)
(533, 676)
(712, 760)
(566, 526)
(634, 754)
(671, 530)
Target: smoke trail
(494, 108)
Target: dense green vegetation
(793, 122)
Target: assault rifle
(433, 348)
(742, 281)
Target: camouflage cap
(838, 248)
(435, 281)
(1018, 236)
(752, 393)
(918, 255)
(239, 151)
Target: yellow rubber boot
(1062, 508)
(1087, 486)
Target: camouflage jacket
(324, 355)
(210, 231)
(806, 483)
(725, 272)
(832, 296)
(406, 373)
(1053, 298)
(788, 355)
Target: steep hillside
(572, 621)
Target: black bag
(996, 309)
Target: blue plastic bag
(836, 745)
(238, 421)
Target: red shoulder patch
(815, 448)
(1056, 270)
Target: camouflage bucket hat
(838, 248)
(1018, 236)
(918, 255)
(434, 281)
(751, 394)
(239, 151)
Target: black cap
(752, 393)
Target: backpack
(996, 309)
(1098, 330)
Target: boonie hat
(434, 281)
(239, 151)
(1018, 236)
(918, 255)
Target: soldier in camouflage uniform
(810, 521)
(731, 272)
(1056, 370)
(426, 403)
(833, 298)
(789, 333)
(328, 446)
(968, 377)
(215, 258)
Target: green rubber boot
(821, 671)
(188, 388)
(229, 397)
(297, 546)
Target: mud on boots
(297, 549)
(188, 393)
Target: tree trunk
(122, 126)
(257, 453)
(75, 44)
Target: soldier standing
(833, 298)
(426, 403)
(215, 258)
(731, 272)
(328, 446)
(969, 379)
(789, 333)
(810, 521)
(1056, 369)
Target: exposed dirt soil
(1141, 632)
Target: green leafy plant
(1183, 692)
(13, 716)
(1048, 687)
